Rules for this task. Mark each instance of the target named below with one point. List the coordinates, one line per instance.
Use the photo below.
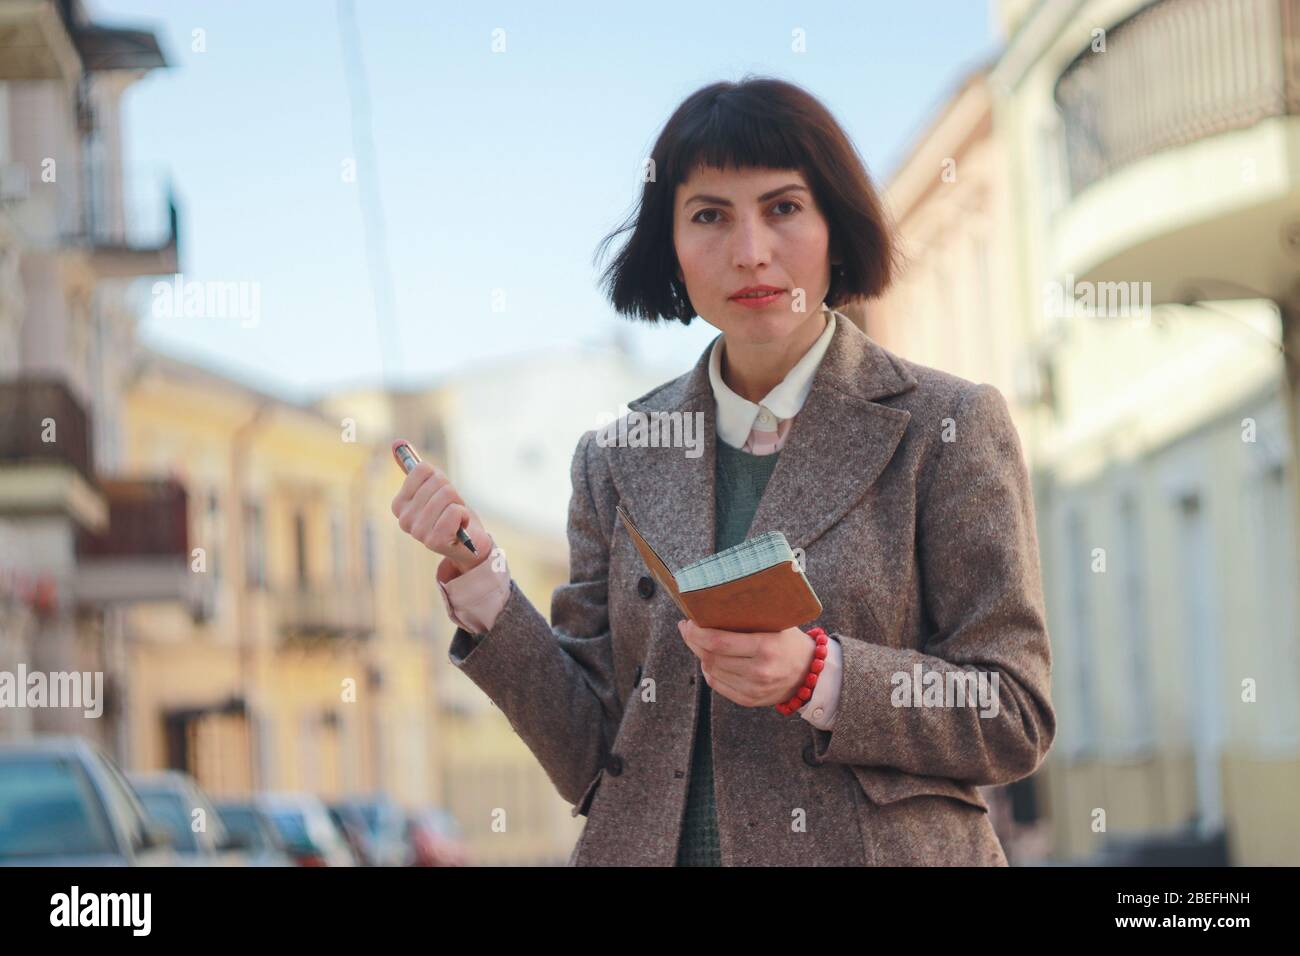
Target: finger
(444, 529)
(705, 658)
(701, 637)
(431, 510)
(439, 486)
(415, 507)
(737, 670)
(410, 484)
(688, 632)
(729, 690)
(728, 643)
(415, 479)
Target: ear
(836, 254)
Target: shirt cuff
(825, 700)
(474, 599)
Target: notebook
(756, 585)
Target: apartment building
(81, 542)
(1152, 147)
(303, 672)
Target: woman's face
(738, 228)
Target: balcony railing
(320, 611)
(143, 552)
(147, 518)
(126, 219)
(1175, 72)
(27, 408)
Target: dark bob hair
(763, 123)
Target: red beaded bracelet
(802, 695)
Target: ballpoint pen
(408, 459)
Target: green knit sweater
(741, 478)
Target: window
(368, 549)
(1276, 577)
(338, 554)
(1079, 563)
(48, 808)
(300, 547)
(212, 536)
(1141, 724)
(1203, 702)
(254, 546)
(169, 810)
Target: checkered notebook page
(738, 561)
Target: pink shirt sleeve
(474, 599)
(825, 700)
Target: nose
(751, 245)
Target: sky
(491, 170)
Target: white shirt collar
(736, 415)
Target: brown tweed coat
(907, 489)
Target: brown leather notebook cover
(769, 600)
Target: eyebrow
(719, 201)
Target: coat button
(809, 757)
(614, 766)
(646, 586)
(636, 682)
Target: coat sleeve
(555, 682)
(977, 550)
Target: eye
(784, 202)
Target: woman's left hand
(757, 669)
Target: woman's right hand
(430, 510)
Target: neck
(751, 371)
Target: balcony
(54, 40)
(143, 554)
(1182, 144)
(34, 43)
(325, 612)
(124, 222)
(46, 457)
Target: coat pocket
(912, 820)
(884, 785)
(583, 804)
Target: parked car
(63, 802)
(434, 838)
(252, 829)
(375, 828)
(354, 832)
(172, 799)
(304, 824)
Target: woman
(902, 487)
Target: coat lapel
(839, 444)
